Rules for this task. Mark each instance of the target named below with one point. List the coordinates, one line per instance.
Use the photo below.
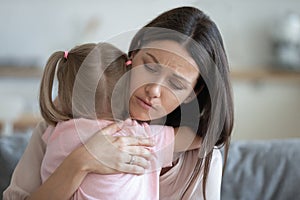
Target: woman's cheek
(138, 79)
(177, 96)
(170, 102)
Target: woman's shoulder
(217, 155)
(40, 127)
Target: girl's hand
(107, 154)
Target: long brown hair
(86, 78)
(199, 35)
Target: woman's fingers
(112, 128)
(138, 151)
(125, 163)
(132, 169)
(138, 156)
(134, 141)
(115, 152)
(140, 162)
(125, 140)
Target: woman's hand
(107, 154)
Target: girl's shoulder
(79, 127)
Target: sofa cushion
(266, 169)
(11, 149)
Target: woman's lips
(144, 104)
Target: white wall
(31, 30)
(266, 109)
(34, 29)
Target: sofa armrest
(268, 169)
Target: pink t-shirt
(62, 139)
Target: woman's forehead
(169, 54)
(169, 48)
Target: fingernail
(145, 124)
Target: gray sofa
(11, 149)
(256, 170)
(263, 170)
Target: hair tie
(66, 54)
(129, 62)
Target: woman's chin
(146, 117)
(151, 119)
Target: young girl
(88, 76)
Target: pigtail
(49, 110)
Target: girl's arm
(186, 139)
(64, 181)
(26, 181)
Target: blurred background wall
(265, 107)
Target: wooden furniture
(20, 72)
(266, 75)
(24, 122)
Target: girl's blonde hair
(86, 79)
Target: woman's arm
(186, 139)
(85, 159)
(214, 180)
(26, 177)
(183, 186)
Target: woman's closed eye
(177, 85)
(151, 68)
(173, 81)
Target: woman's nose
(153, 90)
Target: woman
(170, 52)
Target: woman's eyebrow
(176, 75)
(153, 57)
